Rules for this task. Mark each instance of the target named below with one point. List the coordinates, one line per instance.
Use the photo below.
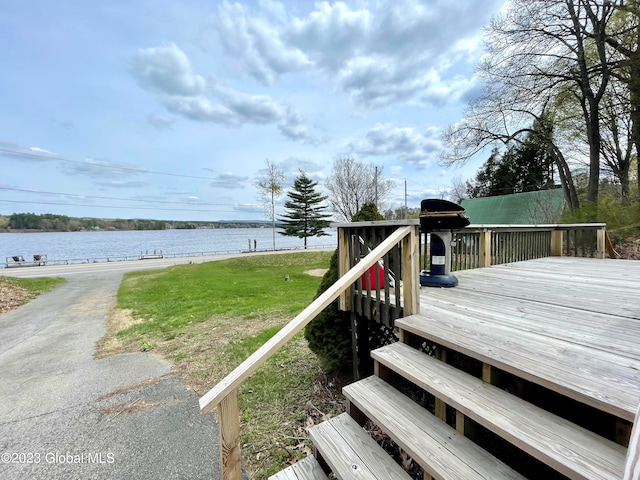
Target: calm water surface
(77, 247)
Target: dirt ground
(11, 297)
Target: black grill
(437, 214)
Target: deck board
(570, 324)
(605, 286)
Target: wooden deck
(570, 324)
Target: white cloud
(122, 184)
(199, 109)
(260, 109)
(31, 154)
(405, 144)
(380, 54)
(167, 71)
(102, 169)
(230, 181)
(396, 170)
(257, 40)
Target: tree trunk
(566, 179)
(624, 185)
(634, 98)
(593, 137)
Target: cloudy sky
(165, 109)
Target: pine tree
(305, 213)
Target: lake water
(79, 247)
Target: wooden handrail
(232, 381)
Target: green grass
(207, 318)
(243, 287)
(35, 286)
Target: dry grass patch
(133, 407)
(129, 389)
(317, 272)
(12, 296)
(198, 352)
(112, 344)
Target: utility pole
(406, 209)
(375, 183)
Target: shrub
(329, 334)
(367, 213)
(621, 216)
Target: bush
(621, 216)
(367, 213)
(329, 334)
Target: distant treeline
(49, 222)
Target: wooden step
(306, 469)
(435, 446)
(351, 453)
(566, 447)
(603, 380)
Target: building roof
(540, 207)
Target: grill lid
(438, 214)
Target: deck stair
(442, 440)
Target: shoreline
(147, 258)
(61, 270)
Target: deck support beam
(440, 406)
(460, 421)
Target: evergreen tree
(305, 213)
(522, 168)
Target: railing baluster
(397, 264)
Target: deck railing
(377, 294)
(484, 245)
(225, 394)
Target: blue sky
(168, 110)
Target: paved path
(75, 417)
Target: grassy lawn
(35, 286)
(18, 291)
(207, 318)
